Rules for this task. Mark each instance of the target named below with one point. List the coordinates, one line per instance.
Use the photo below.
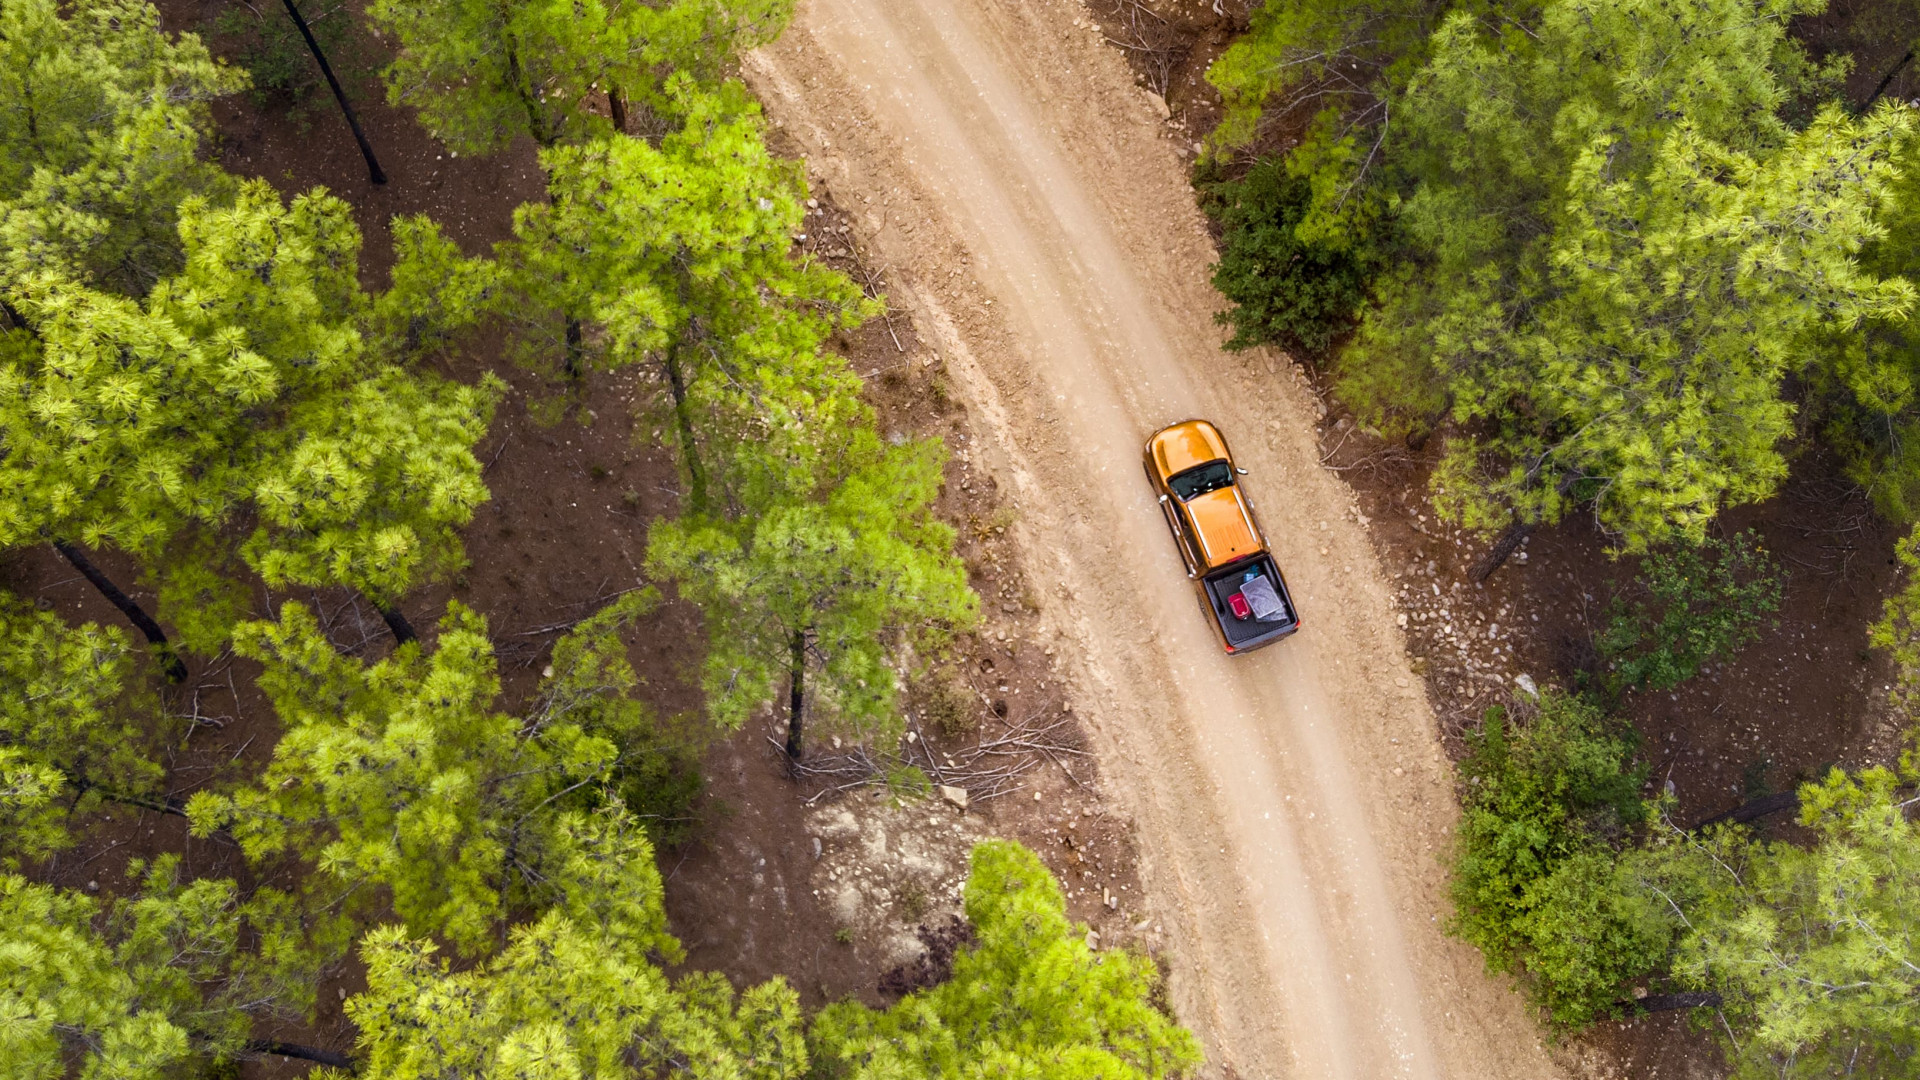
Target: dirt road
(1289, 804)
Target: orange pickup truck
(1241, 587)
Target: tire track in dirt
(1288, 803)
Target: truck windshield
(1201, 479)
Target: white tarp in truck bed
(1264, 599)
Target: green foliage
(403, 774)
(101, 119)
(436, 292)
(1700, 605)
(656, 773)
(1898, 631)
(562, 1001)
(852, 572)
(141, 987)
(1534, 880)
(1815, 951)
(241, 387)
(1288, 289)
(72, 729)
(680, 254)
(480, 73)
(1029, 998)
(1349, 56)
(1623, 252)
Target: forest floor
(842, 892)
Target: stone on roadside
(955, 795)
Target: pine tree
(1626, 245)
(481, 72)
(403, 774)
(820, 584)
(1813, 952)
(242, 384)
(73, 730)
(1029, 998)
(680, 254)
(563, 1000)
(145, 986)
(101, 121)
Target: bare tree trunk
(304, 1053)
(1885, 81)
(396, 622)
(170, 663)
(617, 108)
(1691, 999)
(683, 416)
(1496, 556)
(366, 148)
(575, 335)
(1754, 809)
(15, 318)
(797, 692)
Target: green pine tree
(102, 116)
(817, 588)
(1813, 952)
(1030, 997)
(242, 386)
(564, 999)
(151, 985)
(74, 730)
(404, 775)
(679, 255)
(481, 72)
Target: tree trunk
(1885, 81)
(366, 148)
(617, 108)
(797, 691)
(696, 476)
(156, 637)
(304, 1053)
(1754, 809)
(575, 335)
(16, 319)
(1496, 555)
(397, 622)
(1691, 999)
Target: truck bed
(1249, 633)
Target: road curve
(1289, 803)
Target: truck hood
(1223, 526)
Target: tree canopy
(822, 586)
(404, 774)
(1814, 951)
(481, 72)
(1029, 998)
(240, 389)
(75, 726)
(1626, 243)
(102, 116)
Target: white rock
(1526, 684)
(955, 795)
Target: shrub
(1696, 605)
(1287, 288)
(1534, 878)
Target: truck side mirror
(1240, 470)
(1163, 498)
